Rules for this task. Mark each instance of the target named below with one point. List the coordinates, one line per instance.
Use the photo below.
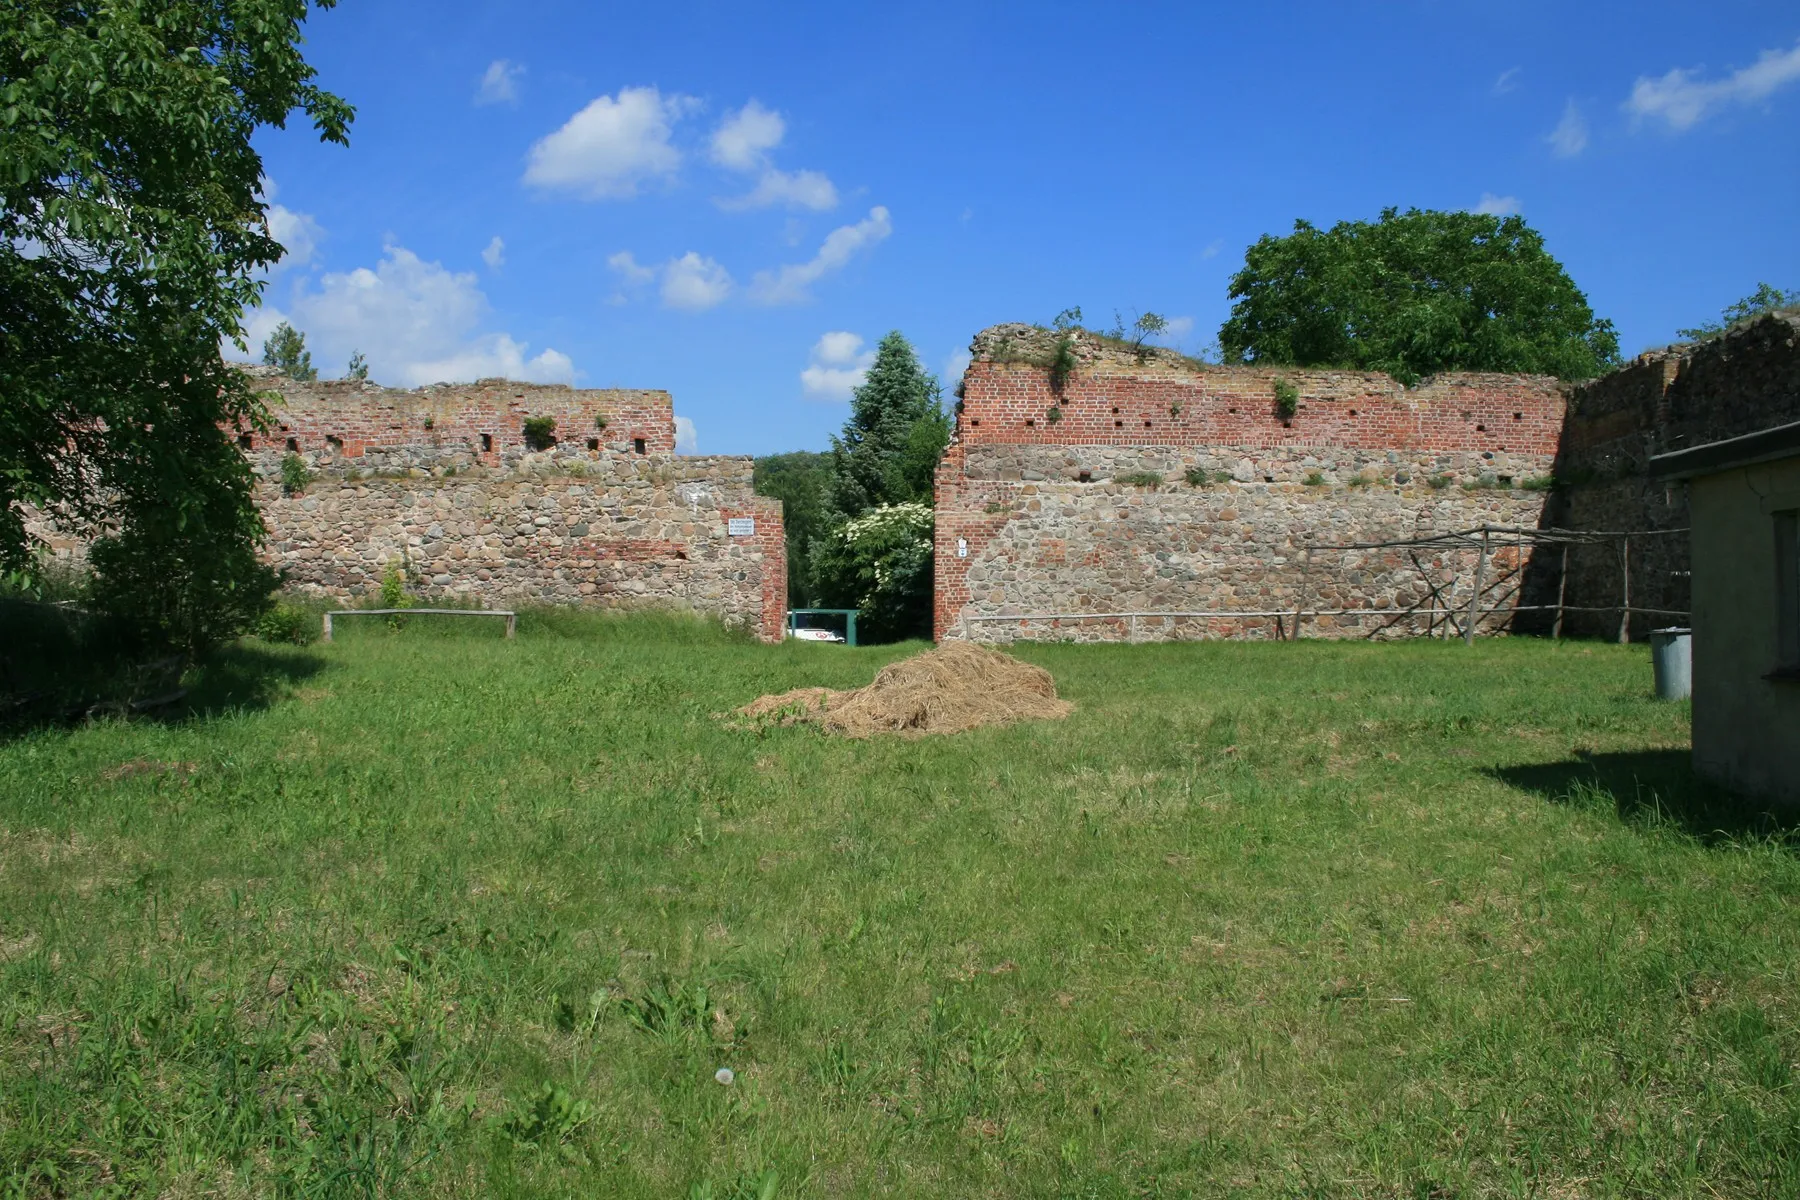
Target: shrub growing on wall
(540, 432)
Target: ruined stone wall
(1041, 519)
(482, 422)
(607, 518)
(1743, 381)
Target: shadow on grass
(242, 676)
(1655, 788)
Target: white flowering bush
(880, 563)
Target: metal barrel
(1672, 657)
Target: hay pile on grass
(955, 687)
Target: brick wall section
(1746, 380)
(1032, 517)
(365, 418)
(1165, 400)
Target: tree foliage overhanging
(132, 237)
(1412, 294)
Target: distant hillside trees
(132, 238)
(1412, 294)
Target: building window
(487, 443)
(1787, 593)
(637, 446)
(246, 442)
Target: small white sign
(962, 547)
(740, 526)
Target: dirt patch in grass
(958, 686)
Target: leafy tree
(131, 240)
(884, 462)
(801, 480)
(1764, 299)
(889, 448)
(881, 564)
(286, 350)
(359, 369)
(1411, 294)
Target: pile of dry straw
(955, 687)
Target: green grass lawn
(435, 913)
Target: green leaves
(132, 237)
(1412, 294)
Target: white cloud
(744, 138)
(1212, 248)
(687, 438)
(629, 269)
(500, 82)
(1507, 82)
(839, 366)
(1497, 206)
(298, 234)
(1682, 101)
(1177, 328)
(494, 355)
(613, 146)
(415, 321)
(495, 254)
(796, 189)
(1570, 137)
(742, 142)
(955, 365)
(791, 284)
(694, 284)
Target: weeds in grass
(289, 623)
(1314, 479)
(1148, 479)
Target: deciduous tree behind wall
(1412, 294)
(131, 235)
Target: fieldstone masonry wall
(1743, 381)
(440, 483)
(1047, 514)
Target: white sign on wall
(740, 526)
(962, 547)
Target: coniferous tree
(889, 448)
(286, 349)
(876, 554)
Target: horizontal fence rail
(512, 618)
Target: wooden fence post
(1625, 591)
(1475, 600)
(1300, 604)
(1562, 584)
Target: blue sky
(734, 202)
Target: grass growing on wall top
(430, 912)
